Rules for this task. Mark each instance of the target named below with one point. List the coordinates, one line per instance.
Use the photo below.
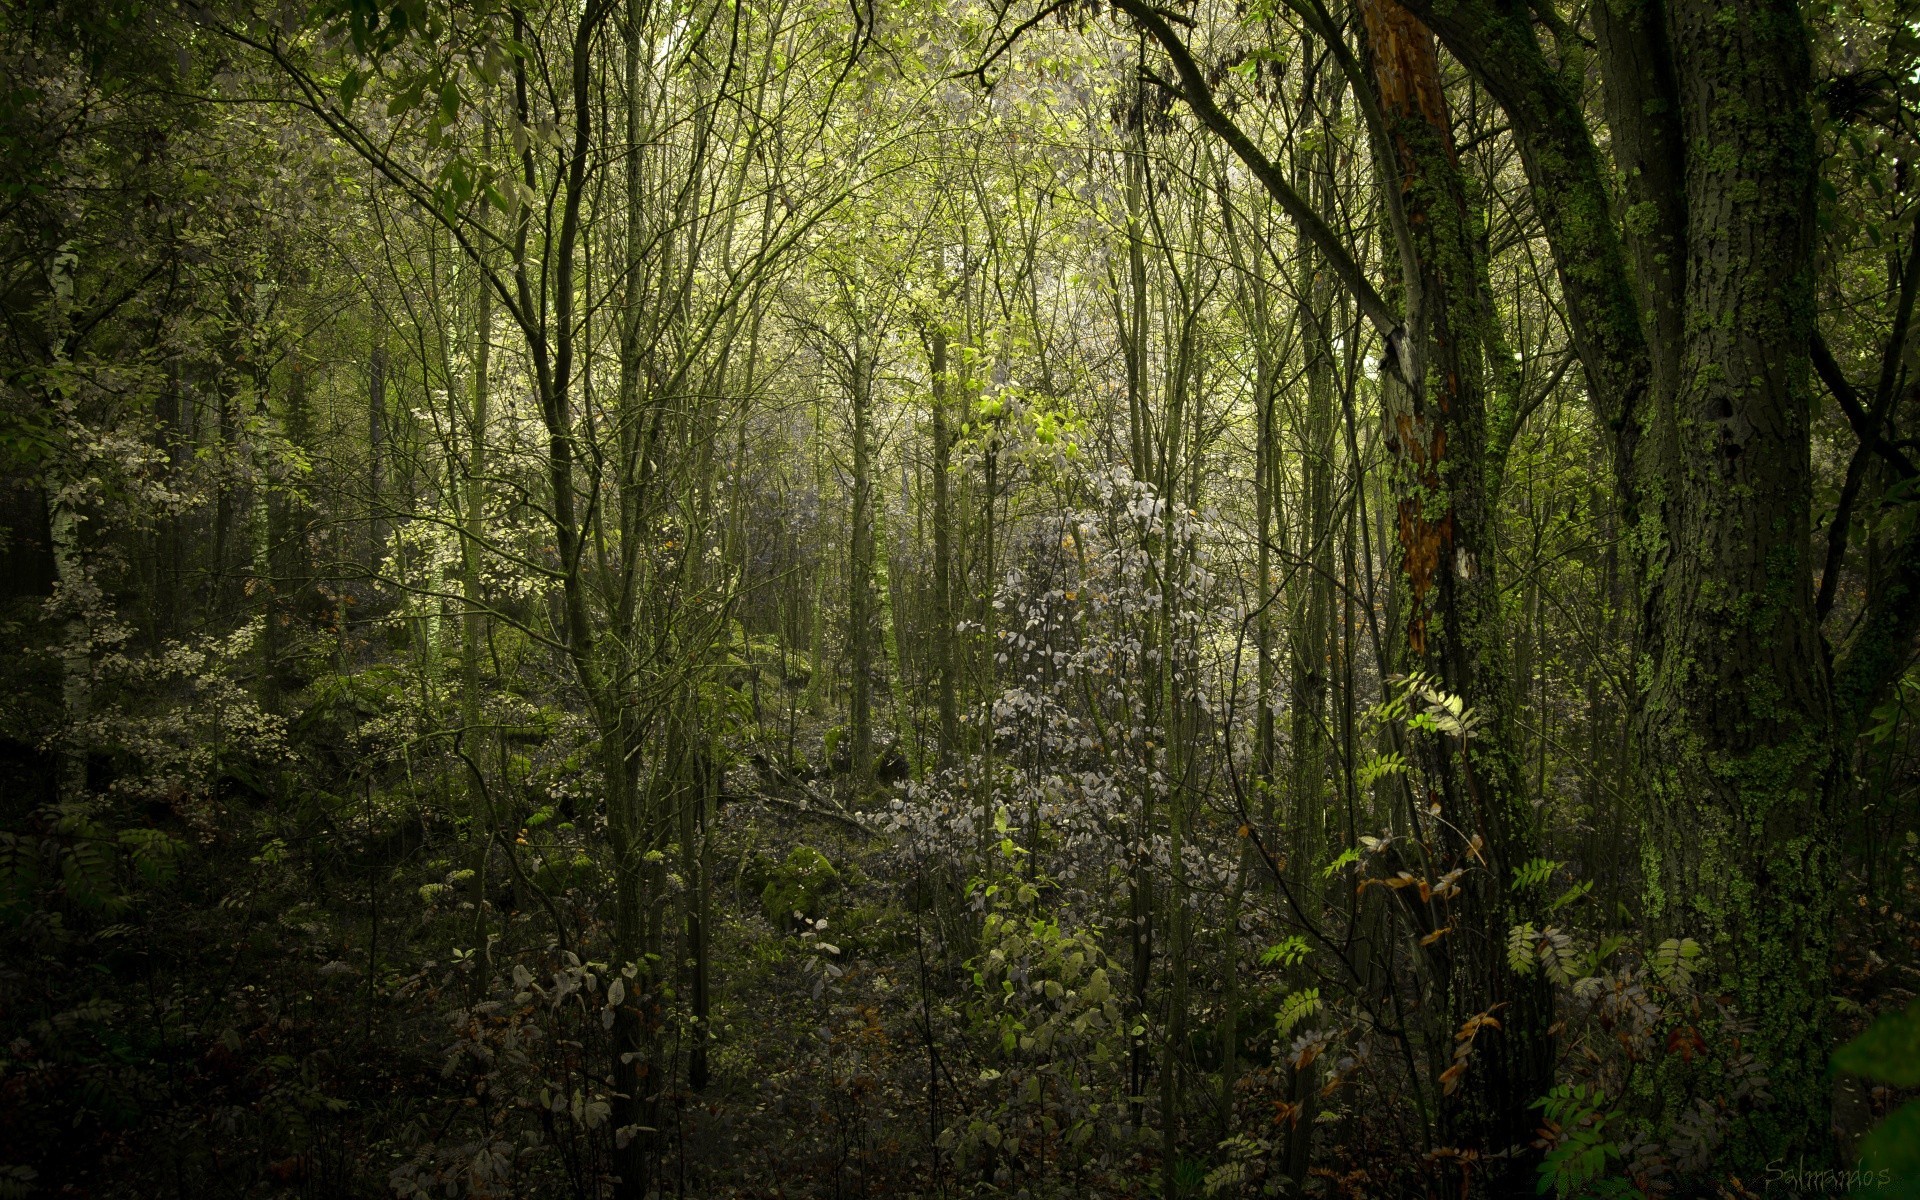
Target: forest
(624, 599)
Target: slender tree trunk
(1312, 632)
(943, 639)
(1437, 429)
(376, 456)
(860, 573)
(473, 622)
(817, 682)
(74, 588)
(895, 668)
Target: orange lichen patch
(1408, 443)
(1425, 545)
(1419, 539)
(1406, 67)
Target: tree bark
(1437, 429)
(860, 572)
(1736, 729)
(943, 614)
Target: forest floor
(238, 1047)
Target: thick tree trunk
(1736, 730)
(1694, 328)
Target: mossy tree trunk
(860, 567)
(1693, 318)
(1438, 432)
(1736, 729)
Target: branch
(1866, 425)
(312, 97)
(1005, 44)
(1882, 643)
(1194, 90)
(1569, 184)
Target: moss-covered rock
(798, 885)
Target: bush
(797, 886)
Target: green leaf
(1296, 1008)
(351, 85)
(1573, 893)
(1889, 1051)
(1286, 953)
(1348, 855)
(1520, 941)
(1893, 1147)
(1534, 873)
(1673, 963)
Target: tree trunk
(1437, 429)
(860, 574)
(1736, 730)
(376, 457)
(943, 614)
(1313, 609)
(473, 623)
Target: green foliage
(1889, 1052)
(1534, 873)
(1581, 1146)
(1890, 1154)
(796, 889)
(100, 871)
(1285, 953)
(1422, 704)
(1888, 717)
(1577, 892)
(559, 871)
(402, 375)
(1045, 1003)
(1380, 766)
(1551, 949)
(1674, 963)
(1520, 943)
(1345, 858)
(1297, 1007)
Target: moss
(799, 886)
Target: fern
(1297, 1007)
(1349, 855)
(1534, 873)
(155, 853)
(1576, 1164)
(19, 869)
(86, 868)
(1576, 892)
(1380, 766)
(1552, 949)
(1557, 955)
(1286, 953)
(1520, 941)
(1673, 963)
